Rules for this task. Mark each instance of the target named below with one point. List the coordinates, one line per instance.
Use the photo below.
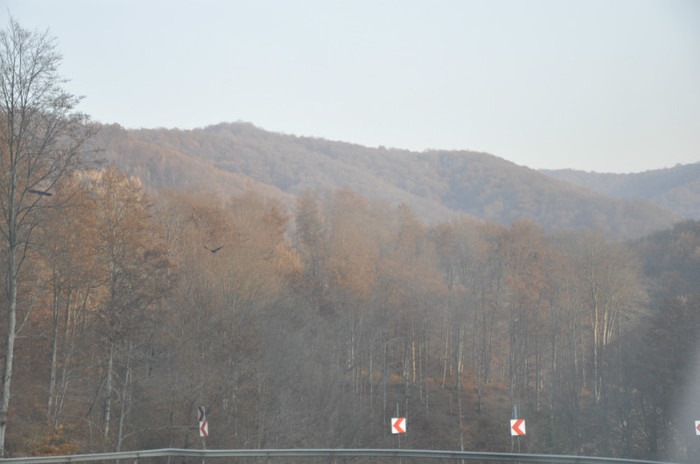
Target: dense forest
(316, 338)
(309, 317)
(437, 185)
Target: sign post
(398, 427)
(203, 427)
(517, 427)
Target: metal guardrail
(387, 453)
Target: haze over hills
(676, 189)
(230, 158)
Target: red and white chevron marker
(204, 429)
(398, 425)
(517, 427)
(201, 415)
(697, 427)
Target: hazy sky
(609, 85)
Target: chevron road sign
(398, 425)
(203, 424)
(517, 427)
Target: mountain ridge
(229, 158)
(676, 189)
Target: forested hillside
(315, 339)
(304, 292)
(437, 185)
(292, 287)
(676, 189)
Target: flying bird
(40, 192)
(213, 250)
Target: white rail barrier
(385, 453)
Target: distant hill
(676, 189)
(438, 185)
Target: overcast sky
(607, 86)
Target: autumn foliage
(304, 316)
(311, 327)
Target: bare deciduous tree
(41, 140)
